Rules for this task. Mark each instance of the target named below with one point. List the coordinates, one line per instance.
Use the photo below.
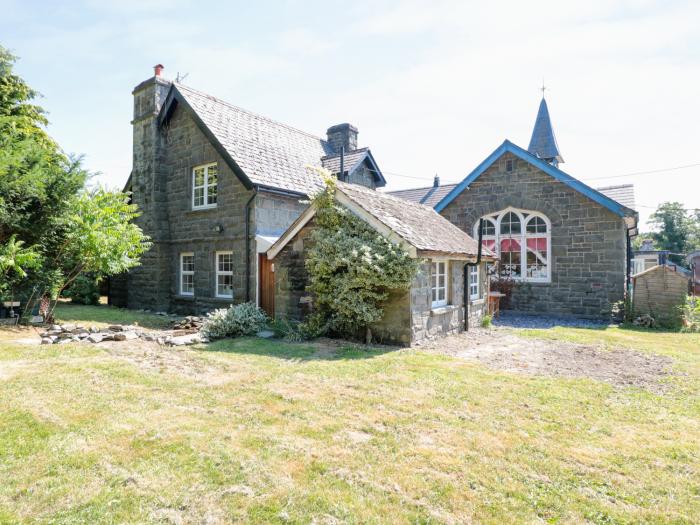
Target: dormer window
(204, 186)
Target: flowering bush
(352, 268)
(239, 319)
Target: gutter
(465, 293)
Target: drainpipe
(466, 277)
(628, 279)
(247, 243)
(342, 163)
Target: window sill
(477, 301)
(202, 208)
(185, 297)
(441, 310)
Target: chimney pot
(436, 181)
(158, 69)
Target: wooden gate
(266, 289)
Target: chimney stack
(342, 136)
(158, 69)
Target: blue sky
(433, 86)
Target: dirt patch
(503, 350)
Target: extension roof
(261, 152)
(351, 162)
(421, 229)
(622, 193)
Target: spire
(543, 143)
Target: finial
(543, 88)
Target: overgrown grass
(260, 431)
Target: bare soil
(501, 349)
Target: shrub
(84, 290)
(352, 268)
(239, 319)
(486, 321)
(691, 314)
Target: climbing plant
(352, 268)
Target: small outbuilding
(659, 292)
(435, 303)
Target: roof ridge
(251, 113)
(424, 187)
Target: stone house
(565, 246)
(216, 186)
(435, 303)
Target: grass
(104, 315)
(260, 431)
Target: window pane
(224, 285)
(211, 195)
(187, 263)
(188, 283)
(488, 228)
(212, 173)
(536, 225)
(510, 223)
(225, 263)
(510, 258)
(199, 177)
(199, 197)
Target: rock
(190, 339)
(56, 328)
(265, 334)
(67, 327)
(161, 313)
(107, 336)
(46, 341)
(125, 336)
(94, 330)
(36, 319)
(148, 337)
(95, 338)
(116, 327)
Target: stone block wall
(363, 177)
(588, 242)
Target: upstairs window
(224, 275)
(187, 273)
(521, 239)
(439, 283)
(204, 186)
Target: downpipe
(465, 279)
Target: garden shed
(659, 292)
(434, 304)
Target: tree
(52, 230)
(352, 268)
(675, 230)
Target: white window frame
(434, 282)
(525, 216)
(184, 272)
(474, 283)
(220, 272)
(205, 187)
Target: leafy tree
(52, 230)
(675, 230)
(352, 267)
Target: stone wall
(588, 242)
(427, 322)
(292, 301)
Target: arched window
(521, 239)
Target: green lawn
(103, 315)
(265, 432)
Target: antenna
(179, 78)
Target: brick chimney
(158, 69)
(342, 136)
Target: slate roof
(269, 153)
(419, 225)
(429, 196)
(543, 143)
(350, 162)
(622, 193)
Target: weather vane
(543, 88)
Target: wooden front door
(266, 288)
